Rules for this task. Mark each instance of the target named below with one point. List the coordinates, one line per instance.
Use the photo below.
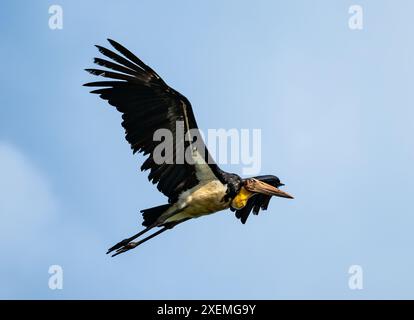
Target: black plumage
(147, 104)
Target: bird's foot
(119, 245)
(128, 246)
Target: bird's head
(268, 185)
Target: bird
(194, 188)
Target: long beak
(267, 189)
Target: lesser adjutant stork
(194, 188)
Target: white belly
(201, 200)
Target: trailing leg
(132, 245)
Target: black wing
(147, 104)
(258, 201)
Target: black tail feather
(151, 215)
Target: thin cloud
(27, 204)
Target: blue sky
(335, 107)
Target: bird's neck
(240, 200)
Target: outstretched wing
(148, 104)
(258, 201)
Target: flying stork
(194, 188)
